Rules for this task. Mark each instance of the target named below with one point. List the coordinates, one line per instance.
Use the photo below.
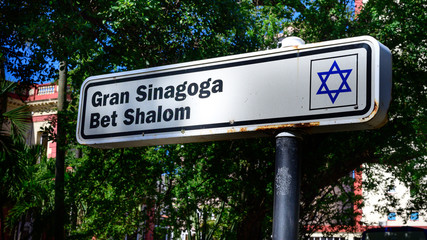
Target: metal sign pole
(287, 187)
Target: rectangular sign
(329, 86)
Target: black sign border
(368, 105)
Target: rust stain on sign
(373, 113)
(243, 129)
(281, 126)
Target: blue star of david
(324, 76)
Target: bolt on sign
(329, 86)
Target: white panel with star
(334, 82)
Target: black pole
(287, 187)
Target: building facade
(42, 102)
(376, 211)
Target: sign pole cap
(292, 41)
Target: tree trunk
(60, 153)
(3, 99)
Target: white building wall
(388, 188)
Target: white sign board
(329, 86)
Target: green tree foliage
(115, 192)
(31, 199)
(164, 189)
(402, 142)
(235, 179)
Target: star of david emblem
(324, 76)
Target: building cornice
(43, 107)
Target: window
(391, 216)
(414, 216)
